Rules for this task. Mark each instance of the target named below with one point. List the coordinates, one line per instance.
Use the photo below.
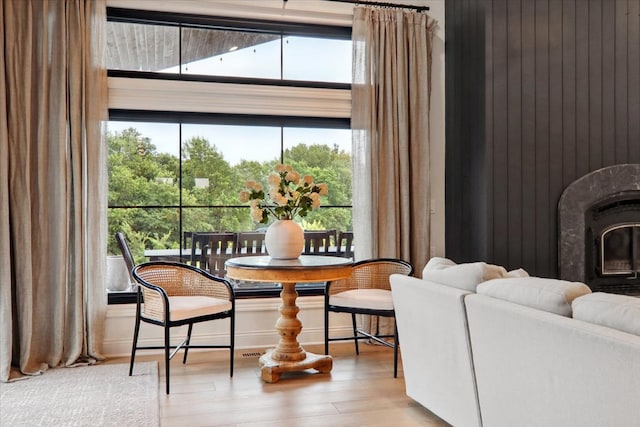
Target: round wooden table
(289, 355)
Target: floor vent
(252, 354)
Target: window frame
(141, 16)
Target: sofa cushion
(621, 312)
(462, 276)
(438, 263)
(520, 272)
(550, 295)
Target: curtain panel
(392, 50)
(53, 184)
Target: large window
(175, 172)
(168, 178)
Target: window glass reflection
(226, 53)
(230, 53)
(142, 47)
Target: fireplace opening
(619, 250)
(613, 245)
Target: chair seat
(371, 299)
(184, 307)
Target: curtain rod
(382, 4)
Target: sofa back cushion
(621, 312)
(550, 295)
(465, 276)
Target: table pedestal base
(271, 368)
(289, 355)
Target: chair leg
(167, 349)
(355, 332)
(396, 343)
(134, 346)
(326, 330)
(232, 343)
(186, 348)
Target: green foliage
(325, 164)
(145, 194)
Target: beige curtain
(390, 120)
(52, 184)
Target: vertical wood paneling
(454, 201)
(556, 159)
(467, 202)
(568, 92)
(582, 85)
(528, 131)
(561, 99)
(500, 132)
(620, 126)
(541, 189)
(633, 81)
(484, 27)
(594, 89)
(514, 236)
(608, 67)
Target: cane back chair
(174, 294)
(366, 291)
(121, 239)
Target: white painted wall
(256, 318)
(255, 326)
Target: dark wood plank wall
(550, 93)
(465, 167)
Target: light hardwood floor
(359, 391)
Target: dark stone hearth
(577, 200)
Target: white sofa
(507, 351)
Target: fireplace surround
(599, 230)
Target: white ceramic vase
(284, 239)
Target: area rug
(99, 395)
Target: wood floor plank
(359, 391)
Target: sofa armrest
(436, 356)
